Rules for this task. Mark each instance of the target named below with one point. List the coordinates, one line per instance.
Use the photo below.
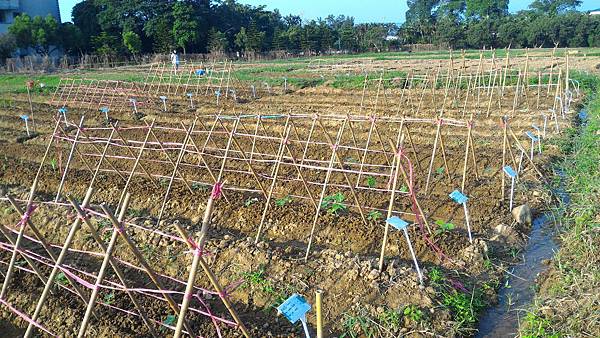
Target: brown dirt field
(344, 258)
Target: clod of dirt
(507, 234)
(474, 254)
(25, 138)
(522, 214)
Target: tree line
(116, 27)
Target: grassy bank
(568, 300)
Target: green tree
(21, 31)
(132, 42)
(217, 41)
(85, 18)
(8, 45)
(241, 39)
(105, 44)
(480, 9)
(162, 34)
(256, 38)
(71, 38)
(185, 26)
(420, 19)
(554, 6)
(40, 33)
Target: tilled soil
(343, 262)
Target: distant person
(175, 60)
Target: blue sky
(361, 10)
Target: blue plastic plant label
(531, 136)
(218, 93)
(510, 171)
(164, 98)
(62, 110)
(458, 197)
(104, 109)
(294, 308)
(200, 72)
(397, 222)
(189, 94)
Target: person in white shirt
(175, 60)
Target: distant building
(595, 11)
(10, 9)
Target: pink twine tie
(217, 191)
(26, 215)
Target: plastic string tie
(217, 191)
(26, 215)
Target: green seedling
(109, 298)
(371, 182)
(413, 313)
(536, 327)
(7, 211)
(357, 326)
(439, 171)
(374, 215)
(147, 250)
(170, 320)
(280, 202)
(164, 182)
(53, 164)
(199, 186)
(135, 213)
(464, 307)
(436, 276)
(333, 204)
(250, 201)
(61, 278)
(404, 189)
(487, 264)
(390, 319)
(443, 226)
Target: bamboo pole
(341, 162)
(390, 210)
(435, 143)
(62, 180)
(300, 175)
(208, 272)
(44, 244)
(122, 232)
(464, 178)
(175, 169)
(245, 159)
(136, 163)
(32, 264)
(9, 271)
(57, 265)
(323, 190)
(126, 143)
(102, 272)
(273, 182)
(318, 306)
(443, 149)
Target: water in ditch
(517, 294)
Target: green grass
(16, 83)
(571, 292)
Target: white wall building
(595, 11)
(9, 9)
